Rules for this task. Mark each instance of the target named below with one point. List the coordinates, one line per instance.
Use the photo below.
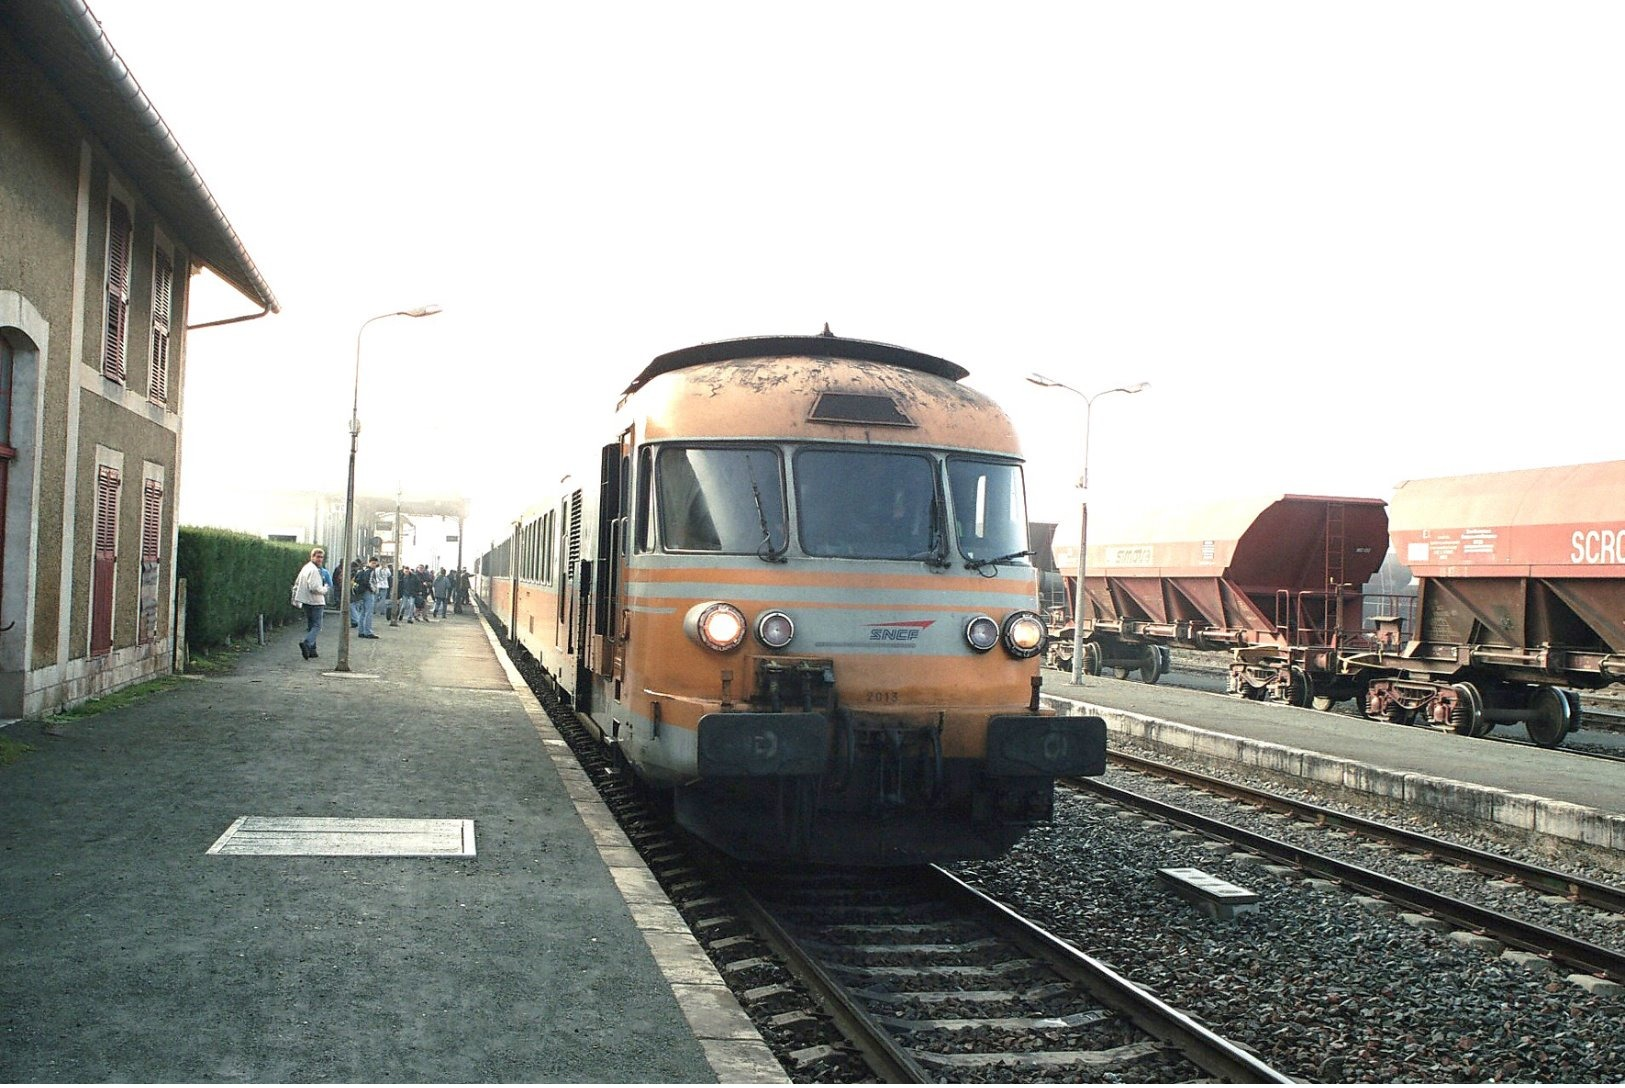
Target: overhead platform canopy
(1565, 522)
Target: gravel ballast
(1325, 987)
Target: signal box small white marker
(1217, 898)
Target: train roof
(823, 346)
(1564, 521)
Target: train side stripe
(815, 596)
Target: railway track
(936, 982)
(907, 976)
(1581, 955)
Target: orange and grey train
(797, 596)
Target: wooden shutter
(120, 236)
(152, 509)
(7, 452)
(152, 516)
(163, 290)
(104, 560)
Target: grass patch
(113, 700)
(214, 660)
(12, 750)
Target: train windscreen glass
(727, 500)
(990, 509)
(863, 504)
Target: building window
(163, 294)
(120, 239)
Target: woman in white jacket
(310, 593)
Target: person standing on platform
(310, 590)
(442, 593)
(368, 580)
(409, 588)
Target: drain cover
(332, 837)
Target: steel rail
(1588, 957)
(885, 1055)
(1204, 1048)
(1593, 893)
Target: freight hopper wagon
(1254, 574)
(794, 596)
(1521, 599)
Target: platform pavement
(1551, 792)
(130, 953)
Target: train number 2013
(883, 697)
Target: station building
(103, 222)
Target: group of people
(370, 588)
(418, 585)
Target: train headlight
(982, 633)
(715, 625)
(775, 630)
(1024, 634)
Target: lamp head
(1039, 379)
(428, 309)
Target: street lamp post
(343, 664)
(1080, 593)
(395, 577)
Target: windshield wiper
(982, 565)
(766, 552)
(938, 555)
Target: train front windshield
(863, 504)
(851, 503)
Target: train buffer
(1217, 898)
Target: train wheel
(1167, 659)
(1468, 716)
(1093, 658)
(1549, 718)
(1574, 707)
(1398, 714)
(1151, 664)
(1063, 655)
(1322, 702)
(1299, 688)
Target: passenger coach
(797, 595)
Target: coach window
(644, 534)
(990, 508)
(862, 504)
(721, 499)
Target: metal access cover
(322, 836)
(1219, 898)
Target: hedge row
(232, 579)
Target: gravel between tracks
(1324, 989)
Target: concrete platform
(1552, 792)
(130, 953)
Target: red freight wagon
(1521, 594)
(1273, 570)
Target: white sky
(1346, 244)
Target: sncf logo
(906, 631)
